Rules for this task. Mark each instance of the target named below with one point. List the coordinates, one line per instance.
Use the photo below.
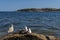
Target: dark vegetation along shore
(39, 10)
(27, 36)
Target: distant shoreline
(39, 10)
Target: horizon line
(27, 8)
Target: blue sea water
(47, 23)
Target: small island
(39, 10)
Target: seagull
(26, 29)
(11, 29)
(29, 30)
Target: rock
(28, 36)
(24, 37)
(51, 37)
(57, 38)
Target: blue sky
(12, 5)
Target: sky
(12, 5)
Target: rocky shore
(27, 36)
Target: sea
(47, 23)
